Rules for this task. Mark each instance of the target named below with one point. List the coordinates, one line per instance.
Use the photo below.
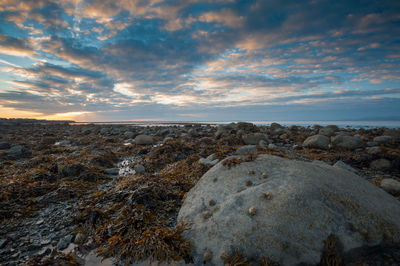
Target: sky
(200, 60)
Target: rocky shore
(68, 192)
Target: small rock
(112, 171)
(62, 244)
(212, 202)
(4, 145)
(40, 221)
(16, 151)
(248, 149)
(328, 130)
(3, 243)
(347, 142)
(254, 138)
(272, 146)
(80, 238)
(252, 211)
(317, 141)
(264, 175)
(139, 169)
(263, 143)
(344, 166)
(210, 160)
(374, 150)
(383, 139)
(391, 186)
(44, 252)
(62, 143)
(144, 140)
(372, 144)
(380, 164)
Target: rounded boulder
(283, 210)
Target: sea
(305, 123)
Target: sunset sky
(200, 60)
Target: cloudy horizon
(199, 60)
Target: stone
(342, 165)
(347, 142)
(129, 134)
(309, 203)
(70, 169)
(380, 164)
(248, 149)
(272, 146)
(44, 252)
(224, 130)
(144, 140)
(211, 160)
(328, 131)
(245, 126)
(383, 139)
(16, 151)
(193, 132)
(63, 143)
(139, 169)
(395, 133)
(254, 138)
(112, 171)
(374, 150)
(391, 186)
(4, 145)
(3, 243)
(62, 244)
(372, 144)
(276, 129)
(317, 141)
(80, 238)
(263, 143)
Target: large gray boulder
(283, 210)
(317, 141)
(347, 142)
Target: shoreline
(64, 185)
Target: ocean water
(342, 124)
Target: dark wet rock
(383, 139)
(395, 133)
(246, 127)
(4, 145)
(328, 131)
(371, 144)
(162, 132)
(276, 129)
(374, 150)
(254, 138)
(44, 252)
(224, 130)
(391, 186)
(305, 201)
(129, 134)
(139, 169)
(144, 140)
(3, 243)
(112, 171)
(16, 151)
(317, 141)
(248, 149)
(70, 169)
(380, 164)
(347, 142)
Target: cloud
(15, 46)
(88, 55)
